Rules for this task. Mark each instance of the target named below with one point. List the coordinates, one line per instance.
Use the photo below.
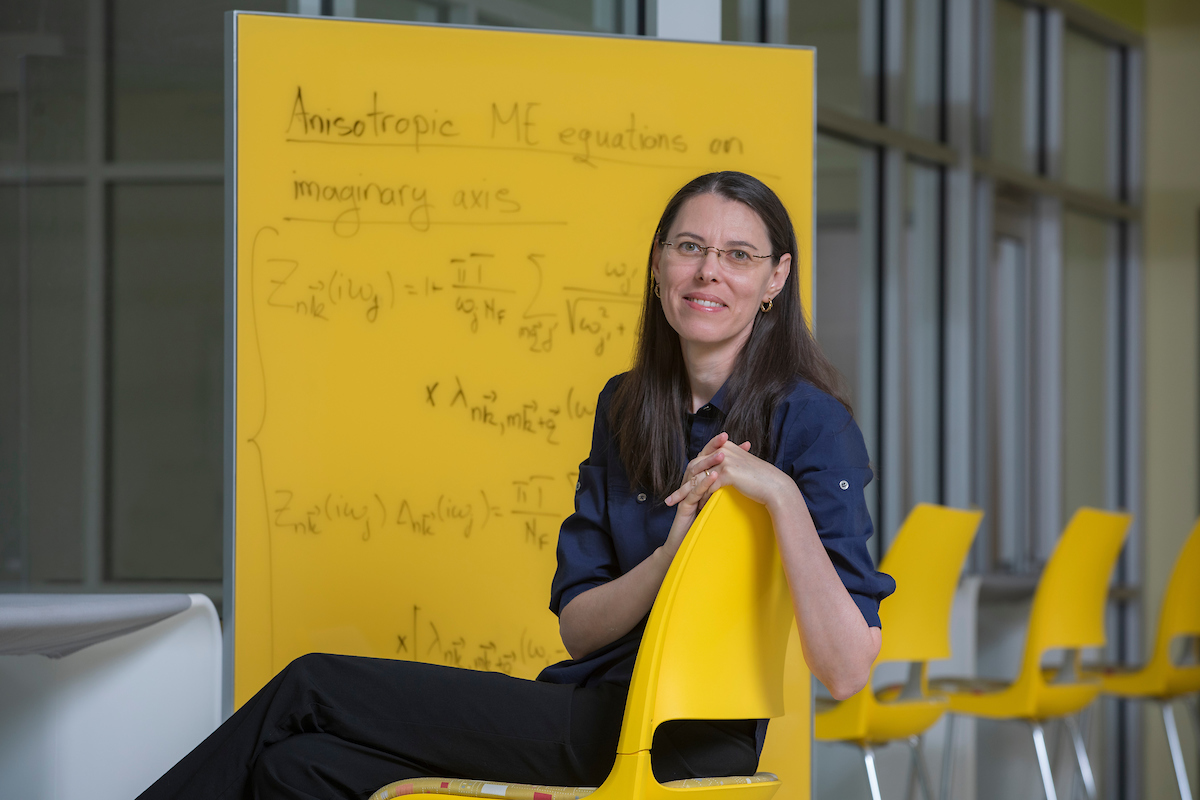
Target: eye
(740, 256)
(688, 248)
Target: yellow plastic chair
(1068, 614)
(926, 560)
(713, 648)
(1162, 679)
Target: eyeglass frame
(720, 251)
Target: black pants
(340, 727)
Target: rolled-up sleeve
(832, 469)
(586, 556)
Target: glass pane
(843, 68)
(1011, 85)
(846, 278)
(42, 363)
(403, 10)
(841, 261)
(1087, 248)
(566, 15)
(1008, 403)
(923, 331)
(924, 67)
(54, 89)
(167, 355)
(57, 289)
(1089, 118)
(168, 77)
(733, 26)
(41, 80)
(11, 527)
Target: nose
(706, 270)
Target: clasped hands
(722, 463)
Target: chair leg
(1081, 758)
(1195, 709)
(947, 759)
(919, 767)
(1168, 715)
(1039, 744)
(872, 776)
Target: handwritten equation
(423, 639)
(534, 503)
(483, 293)
(504, 414)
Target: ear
(779, 276)
(654, 255)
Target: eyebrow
(737, 243)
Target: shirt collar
(718, 400)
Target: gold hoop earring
(766, 305)
(654, 287)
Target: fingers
(713, 448)
(687, 490)
(700, 488)
(714, 443)
(710, 457)
(698, 466)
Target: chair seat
(887, 718)
(997, 699)
(526, 791)
(1150, 680)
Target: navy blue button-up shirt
(615, 527)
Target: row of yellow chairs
(1067, 614)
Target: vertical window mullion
(893, 403)
(96, 355)
(958, 196)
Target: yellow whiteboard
(437, 258)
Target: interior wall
(1172, 339)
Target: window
(1014, 103)
(1090, 125)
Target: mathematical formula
(423, 639)
(534, 505)
(481, 293)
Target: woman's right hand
(688, 498)
(607, 612)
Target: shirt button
(641, 497)
(845, 485)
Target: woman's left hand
(757, 479)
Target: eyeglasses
(688, 252)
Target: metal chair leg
(1081, 758)
(872, 776)
(1168, 715)
(1039, 744)
(919, 767)
(1195, 709)
(910, 785)
(947, 759)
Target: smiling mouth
(705, 303)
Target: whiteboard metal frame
(229, 428)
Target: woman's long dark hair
(647, 408)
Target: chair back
(717, 635)
(1068, 607)
(925, 559)
(1180, 615)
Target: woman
(726, 372)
